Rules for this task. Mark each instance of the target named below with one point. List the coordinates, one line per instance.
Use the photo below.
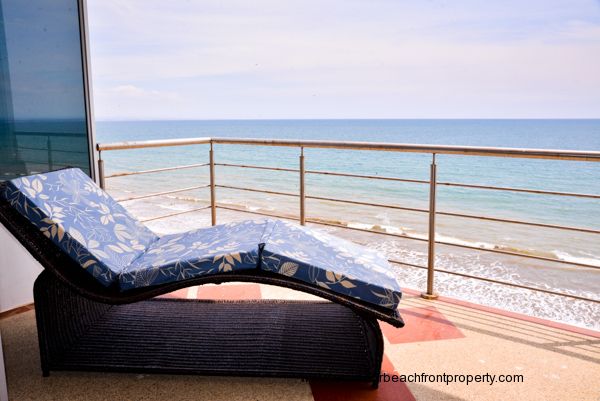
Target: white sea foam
(377, 227)
(576, 259)
(361, 226)
(186, 198)
(547, 306)
(458, 241)
(439, 237)
(173, 206)
(559, 255)
(393, 230)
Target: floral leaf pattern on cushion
(82, 219)
(115, 248)
(330, 262)
(212, 250)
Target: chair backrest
(82, 219)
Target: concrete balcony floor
(557, 362)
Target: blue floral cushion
(79, 217)
(217, 249)
(330, 262)
(110, 244)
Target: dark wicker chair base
(243, 338)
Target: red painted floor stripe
(182, 293)
(515, 315)
(422, 324)
(361, 391)
(235, 292)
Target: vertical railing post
(302, 193)
(101, 171)
(213, 202)
(50, 159)
(430, 294)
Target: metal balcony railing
(433, 150)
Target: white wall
(18, 270)
(3, 388)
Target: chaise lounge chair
(96, 307)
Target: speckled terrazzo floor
(440, 337)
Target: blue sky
(345, 59)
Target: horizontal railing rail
(164, 216)
(437, 149)
(580, 155)
(414, 181)
(156, 170)
(163, 193)
(152, 144)
(433, 150)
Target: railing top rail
(557, 154)
(419, 148)
(159, 143)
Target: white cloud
(130, 101)
(132, 91)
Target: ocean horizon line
(351, 119)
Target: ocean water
(567, 176)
